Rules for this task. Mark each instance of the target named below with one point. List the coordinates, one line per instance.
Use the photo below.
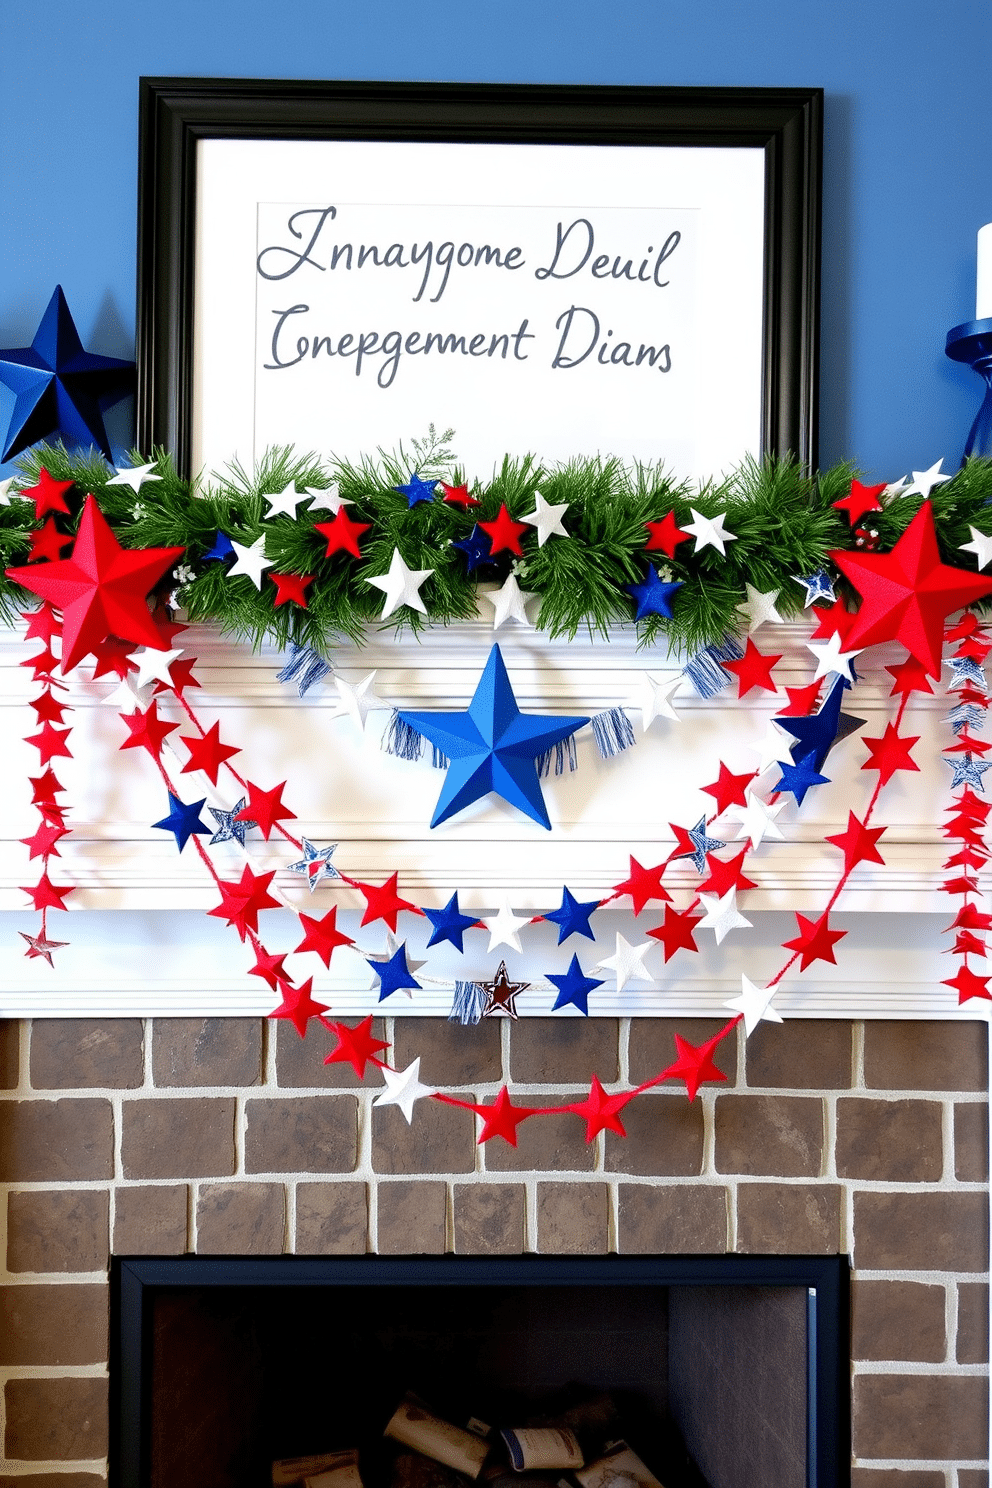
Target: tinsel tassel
(563, 752)
(305, 667)
(467, 1004)
(614, 732)
(704, 670)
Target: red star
(665, 535)
(727, 874)
(101, 589)
(45, 786)
(50, 813)
(967, 985)
(147, 730)
(642, 885)
(966, 944)
(834, 619)
(50, 742)
(39, 945)
(181, 673)
(972, 805)
(815, 941)
(298, 1006)
(600, 1111)
(383, 903)
(42, 623)
(729, 789)
(322, 936)
(802, 701)
(970, 918)
(207, 753)
(356, 1046)
(47, 708)
(975, 647)
(342, 534)
(42, 844)
(458, 495)
(265, 808)
(694, 1063)
(964, 830)
(907, 594)
(49, 494)
(890, 753)
(505, 533)
(967, 744)
(241, 902)
(963, 884)
(970, 694)
(908, 677)
(968, 857)
(966, 626)
(753, 670)
(292, 588)
(501, 1119)
(860, 500)
(270, 968)
(45, 894)
(113, 656)
(858, 843)
(47, 543)
(675, 933)
(167, 628)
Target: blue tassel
(305, 667)
(614, 732)
(438, 760)
(402, 739)
(468, 1003)
(704, 670)
(562, 753)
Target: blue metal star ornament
(449, 923)
(315, 864)
(183, 820)
(394, 975)
(572, 918)
(222, 548)
(967, 770)
(477, 548)
(573, 987)
(58, 387)
(799, 778)
(492, 747)
(652, 596)
(229, 829)
(417, 490)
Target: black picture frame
(175, 113)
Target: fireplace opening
(719, 1371)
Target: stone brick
(240, 1219)
(911, 1055)
(10, 1031)
(86, 1053)
(451, 1055)
(652, 1046)
(150, 1219)
(971, 1142)
(61, 1230)
(304, 1134)
(921, 1231)
(898, 1320)
(54, 1480)
(56, 1141)
(332, 1219)
(866, 1477)
(564, 1051)
(412, 1218)
(769, 1134)
(664, 1138)
(573, 1218)
(300, 1061)
(207, 1051)
(973, 1477)
(894, 1141)
(178, 1138)
(680, 1219)
(545, 1144)
(784, 1219)
(439, 1139)
(46, 1325)
(56, 1420)
(800, 1054)
(913, 1415)
(973, 1323)
(489, 1218)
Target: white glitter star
(760, 608)
(401, 586)
(628, 963)
(357, 700)
(757, 819)
(509, 602)
(547, 519)
(831, 659)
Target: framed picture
(558, 270)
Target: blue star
(799, 778)
(818, 733)
(967, 770)
(449, 923)
(652, 595)
(817, 585)
(573, 987)
(966, 715)
(394, 974)
(966, 669)
(229, 830)
(58, 387)
(183, 821)
(492, 746)
(477, 548)
(417, 490)
(315, 864)
(703, 845)
(572, 918)
(222, 548)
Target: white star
(980, 545)
(403, 1088)
(722, 914)
(503, 927)
(757, 819)
(756, 1004)
(250, 561)
(153, 666)
(283, 503)
(357, 699)
(547, 519)
(925, 480)
(134, 476)
(654, 698)
(509, 603)
(895, 489)
(774, 748)
(709, 531)
(126, 697)
(401, 586)
(760, 608)
(831, 659)
(328, 500)
(628, 963)
(5, 490)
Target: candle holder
(971, 343)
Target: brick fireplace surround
(231, 1137)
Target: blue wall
(907, 151)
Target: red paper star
(112, 656)
(963, 884)
(815, 941)
(382, 902)
(48, 494)
(47, 543)
(44, 787)
(729, 789)
(298, 1006)
(966, 626)
(753, 670)
(458, 495)
(292, 589)
(665, 535)
(147, 730)
(860, 500)
(505, 533)
(727, 874)
(322, 936)
(356, 1046)
(966, 944)
(890, 753)
(967, 744)
(802, 701)
(694, 1064)
(975, 647)
(42, 843)
(857, 843)
(342, 534)
(241, 902)
(969, 917)
(908, 677)
(643, 884)
(51, 813)
(42, 665)
(675, 933)
(834, 619)
(39, 945)
(907, 594)
(270, 968)
(600, 1111)
(967, 985)
(50, 742)
(47, 707)
(42, 623)
(265, 808)
(501, 1119)
(207, 753)
(968, 857)
(972, 805)
(46, 895)
(181, 673)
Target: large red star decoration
(355, 1046)
(907, 594)
(857, 843)
(675, 932)
(382, 902)
(642, 884)
(322, 936)
(101, 590)
(753, 670)
(859, 500)
(694, 1064)
(601, 1112)
(665, 535)
(342, 534)
(505, 533)
(298, 1006)
(815, 941)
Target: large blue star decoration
(394, 975)
(58, 387)
(817, 734)
(572, 918)
(183, 820)
(652, 596)
(417, 490)
(573, 987)
(492, 747)
(449, 923)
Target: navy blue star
(966, 669)
(228, 829)
(572, 918)
(449, 923)
(58, 387)
(799, 778)
(417, 490)
(222, 548)
(818, 733)
(183, 821)
(652, 596)
(394, 974)
(966, 715)
(477, 548)
(492, 746)
(817, 585)
(967, 770)
(573, 987)
(703, 845)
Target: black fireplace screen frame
(136, 1281)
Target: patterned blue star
(966, 716)
(573, 987)
(417, 490)
(449, 923)
(492, 746)
(477, 548)
(966, 669)
(58, 387)
(394, 975)
(702, 844)
(799, 778)
(817, 585)
(229, 830)
(967, 770)
(572, 918)
(222, 548)
(652, 596)
(818, 733)
(183, 821)
(315, 864)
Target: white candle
(983, 277)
